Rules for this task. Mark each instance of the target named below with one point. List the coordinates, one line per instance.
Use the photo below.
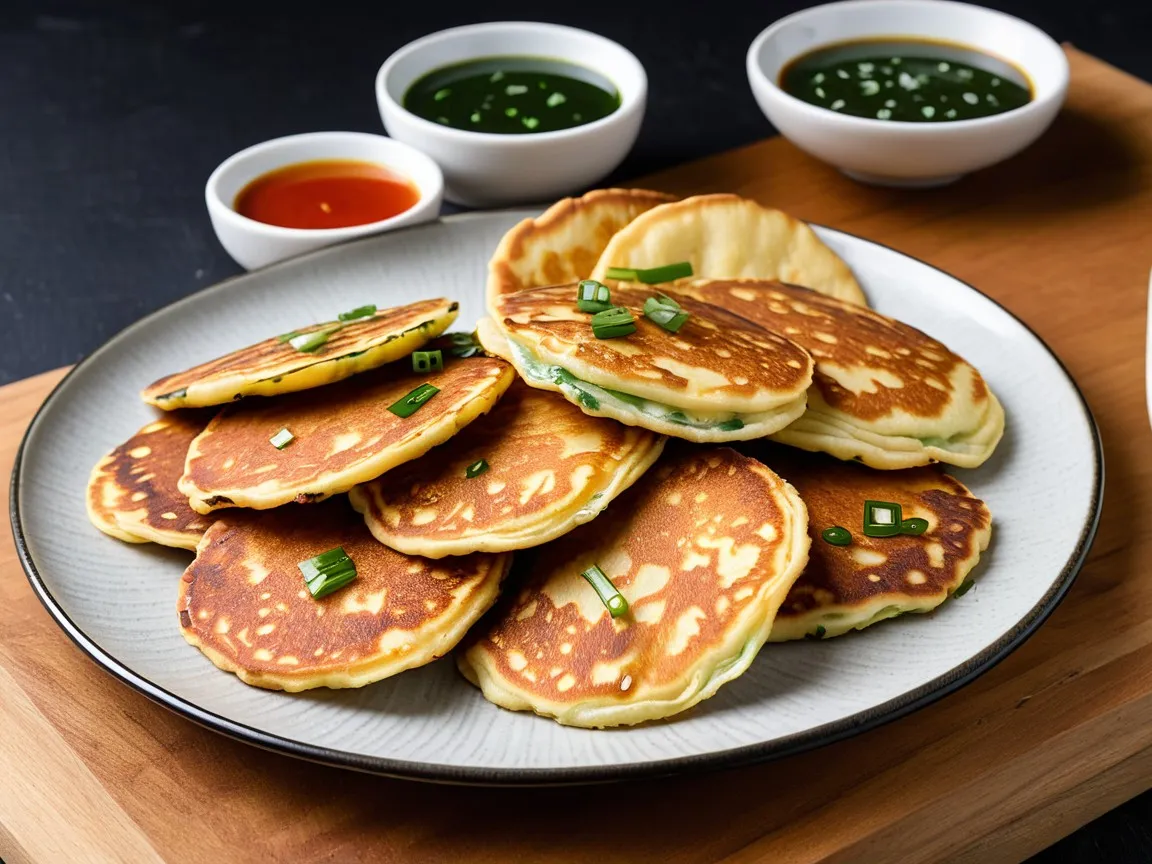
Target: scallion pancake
(883, 393)
(273, 366)
(132, 493)
(541, 468)
(343, 434)
(704, 548)
(851, 587)
(729, 237)
(565, 241)
(244, 602)
(719, 378)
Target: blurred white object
(897, 153)
(254, 244)
(483, 169)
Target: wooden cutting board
(1057, 734)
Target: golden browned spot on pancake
(867, 365)
(875, 577)
(546, 461)
(344, 434)
(133, 491)
(273, 366)
(715, 358)
(703, 547)
(564, 243)
(244, 603)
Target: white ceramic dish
(118, 601)
(486, 170)
(890, 153)
(255, 244)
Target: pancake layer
(719, 378)
(704, 547)
(883, 392)
(132, 492)
(344, 434)
(273, 366)
(549, 468)
(564, 243)
(729, 237)
(244, 603)
(851, 587)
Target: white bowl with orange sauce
(291, 195)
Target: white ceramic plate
(118, 601)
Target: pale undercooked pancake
(344, 434)
(273, 366)
(244, 602)
(550, 467)
(850, 587)
(883, 392)
(704, 548)
(729, 237)
(720, 378)
(564, 243)
(132, 492)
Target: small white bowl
(892, 153)
(254, 244)
(484, 169)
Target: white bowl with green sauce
(514, 112)
(907, 92)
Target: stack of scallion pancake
(678, 435)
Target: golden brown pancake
(550, 468)
(704, 547)
(719, 378)
(273, 366)
(132, 492)
(244, 602)
(344, 434)
(883, 392)
(564, 243)
(850, 587)
(729, 237)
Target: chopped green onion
(964, 588)
(837, 536)
(309, 342)
(613, 323)
(665, 300)
(328, 572)
(412, 403)
(678, 417)
(651, 275)
(175, 394)
(610, 595)
(282, 439)
(638, 401)
(819, 634)
(476, 468)
(914, 527)
(881, 519)
(555, 99)
(288, 337)
(463, 345)
(427, 361)
(359, 312)
(731, 425)
(560, 375)
(593, 296)
(670, 317)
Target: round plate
(117, 601)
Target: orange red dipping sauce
(328, 193)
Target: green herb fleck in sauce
(512, 95)
(917, 81)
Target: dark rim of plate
(751, 754)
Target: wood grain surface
(1052, 737)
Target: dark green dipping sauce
(512, 95)
(912, 80)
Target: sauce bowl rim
(429, 192)
(630, 102)
(757, 73)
